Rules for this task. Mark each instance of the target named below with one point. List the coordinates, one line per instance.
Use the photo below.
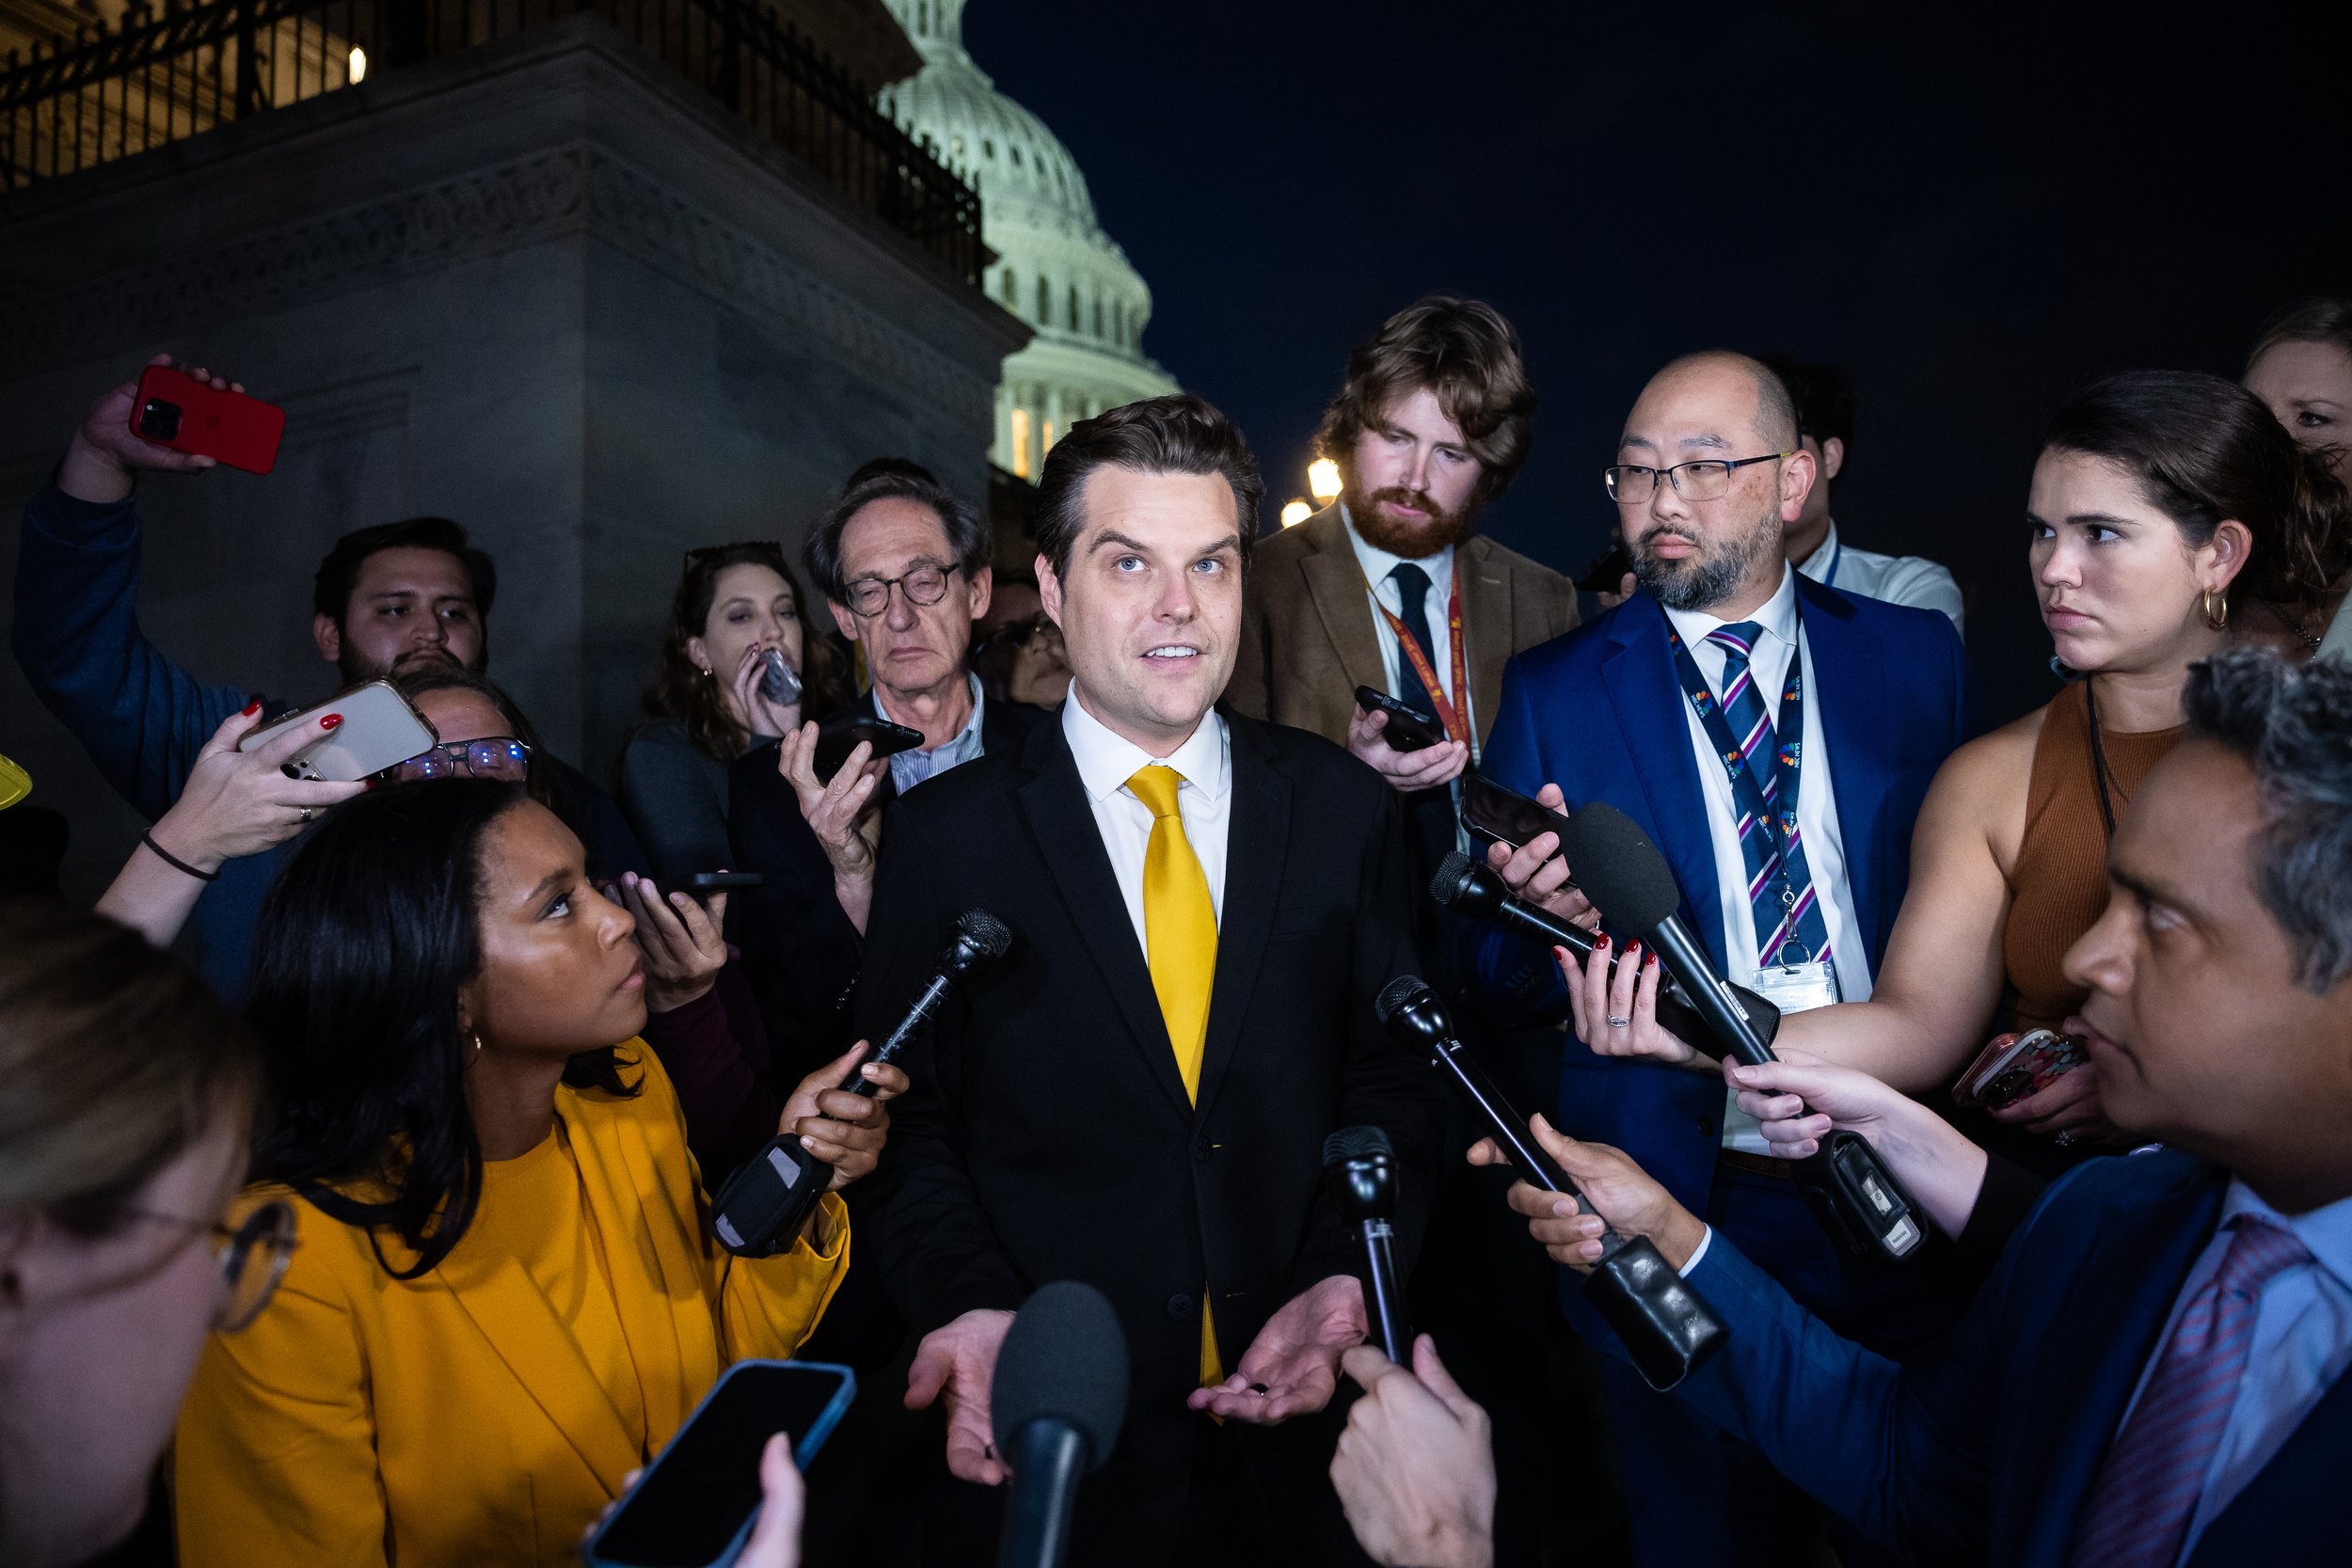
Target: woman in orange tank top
(2169, 514)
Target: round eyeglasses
(252, 1256)
(1705, 479)
(925, 585)
(498, 756)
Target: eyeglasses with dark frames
(1704, 479)
(924, 586)
(252, 1256)
(497, 757)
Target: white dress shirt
(2302, 1344)
(1204, 800)
(1908, 579)
(1376, 564)
(1817, 813)
(909, 768)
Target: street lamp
(1296, 511)
(1322, 479)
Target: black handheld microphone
(1666, 1328)
(1057, 1401)
(1360, 1164)
(764, 1204)
(1848, 1186)
(1462, 883)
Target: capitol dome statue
(1055, 267)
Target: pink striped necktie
(2148, 1490)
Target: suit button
(1202, 1148)
(1179, 1307)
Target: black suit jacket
(1048, 1135)
(798, 950)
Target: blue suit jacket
(1599, 713)
(1989, 1454)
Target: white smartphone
(379, 729)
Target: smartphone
(174, 409)
(695, 1504)
(1606, 574)
(379, 730)
(1408, 728)
(2015, 1066)
(1505, 814)
(836, 740)
(718, 881)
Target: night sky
(1974, 210)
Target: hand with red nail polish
(1613, 1009)
(332, 720)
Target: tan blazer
(1308, 640)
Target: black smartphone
(718, 881)
(1606, 574)
(1505, 814)
(1408, 728)
(695, 1504)
(836, 740)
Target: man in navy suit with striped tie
(1774, 738)
(2154, 1375)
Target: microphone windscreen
(984, 932)
(1356, 1143)
(1452, 878)
(1620, 870)
(1396, 993)
(1064, 1357)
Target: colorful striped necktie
(2148, 1489)
(1179, 947)
(1786, 910)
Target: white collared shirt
(1907, 579)
(1817, 813)
(1377, 564)
(1203, 800)
(909, 768)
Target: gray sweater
(677, 799)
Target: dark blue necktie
(1412, 590)
(1783, 904)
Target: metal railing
(162, 76)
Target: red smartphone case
(177, 411)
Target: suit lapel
(1487, 606)
(1851, 674)
(1639, 677)
(1335, 586)
(2142, 1246)
(1061, 821)
(1257, 836)
(2288, 1501)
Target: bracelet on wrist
(175, 861)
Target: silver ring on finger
(306, 814)
(1620, 1022)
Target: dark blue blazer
(1989, 1455)
(1599, 713)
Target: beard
(1438, 529)
(1706, 580)
(356, 668)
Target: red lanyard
(1450, 714)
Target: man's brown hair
(1464, 352)
(1178, 434)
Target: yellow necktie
(1180, 945)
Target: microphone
(1850, 1190)
(1665, 1326)
(764, 1204)
(1463, 884)
(1057, 1401)
(1360, 1165)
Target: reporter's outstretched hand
(1535, 872)
(1624, 1195)
(1405, 771)
(844, 1129)
(1597, 1001)
(835, 809)
(684, 944)
(958, 1359)
(1800, 1098)
(775, 1540)
(237, 804)
(104, 459)
(1415, 1468)
(1293, 1366)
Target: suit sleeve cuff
(1699, 1252)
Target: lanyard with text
(1453, 715)
(1778, 815)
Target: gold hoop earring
(2216, 607)
(477, 1051)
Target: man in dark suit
(2154, 1373)
(1205, 907)
(1794, 898)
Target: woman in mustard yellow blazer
(504, 1297)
